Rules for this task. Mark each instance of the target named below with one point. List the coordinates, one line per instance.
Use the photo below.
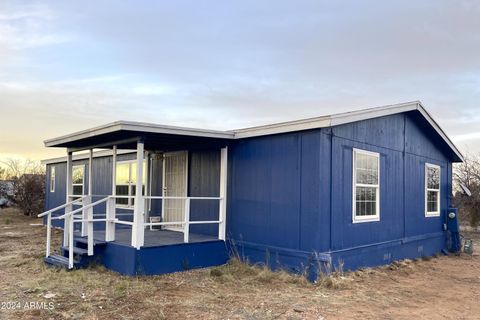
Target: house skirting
(127, 260)
(371, 255)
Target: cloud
(224, 65)
(467, 137)
(25, 27)
(152, 90)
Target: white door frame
(166, 154)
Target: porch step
(84, 240)
(76, 250)
(57, 261)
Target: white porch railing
(68, 225)
(186, 222)
(87, 220)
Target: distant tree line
(28, 180)
(466, 178)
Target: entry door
(175, 166)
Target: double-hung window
(78, 180)
(126, 182)
(366, 186)
(52, 179)
(432, 190)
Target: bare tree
(467, 177)
(28, 179)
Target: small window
(432, 190)
(366, 186)
(78, 179)
(52, 179)
(126, 176)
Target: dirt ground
(437, 288)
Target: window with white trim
(126, 182)
(366, 186)
(78, 180)
(432, 190)
(52, 179)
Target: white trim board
(137, 126)
(290, 126)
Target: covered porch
(183, 189)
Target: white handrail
(181, 222)
(60, 207)
(183, 198)
(69, 218)
(83, 207)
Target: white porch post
(114, 171)
(90, 200)
(68, 191)
(138, 229)
(222, 211)
(111, 203)
(86, 212)
(148, 185)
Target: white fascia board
(140, 127)
(84, 156)
(325, 121)
(372, 113)
(313, 123)
(439, 130)
(111, 127)
(151, 128)
(343, 118)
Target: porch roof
(125, 134)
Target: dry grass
(405, 289)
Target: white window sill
(369, 219)
(432, 214)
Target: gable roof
(290, 126)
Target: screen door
(174, 185)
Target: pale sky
(67, 66)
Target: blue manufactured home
(356, 189)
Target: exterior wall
(204, 180)
(278, 197)
(291, 195)
(102, 186)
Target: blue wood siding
(275, 191)
(294, 191)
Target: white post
(90, 173)
(111, 203)
(70, 244)
(49, 233)
(114, 171)
(89, 212)
(68, 191)
(222, 210)
(90, 186)
(186, 225)
(90, 228)
(148, 186)
(110, 223)
(138, 227)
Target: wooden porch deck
(155, 238)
